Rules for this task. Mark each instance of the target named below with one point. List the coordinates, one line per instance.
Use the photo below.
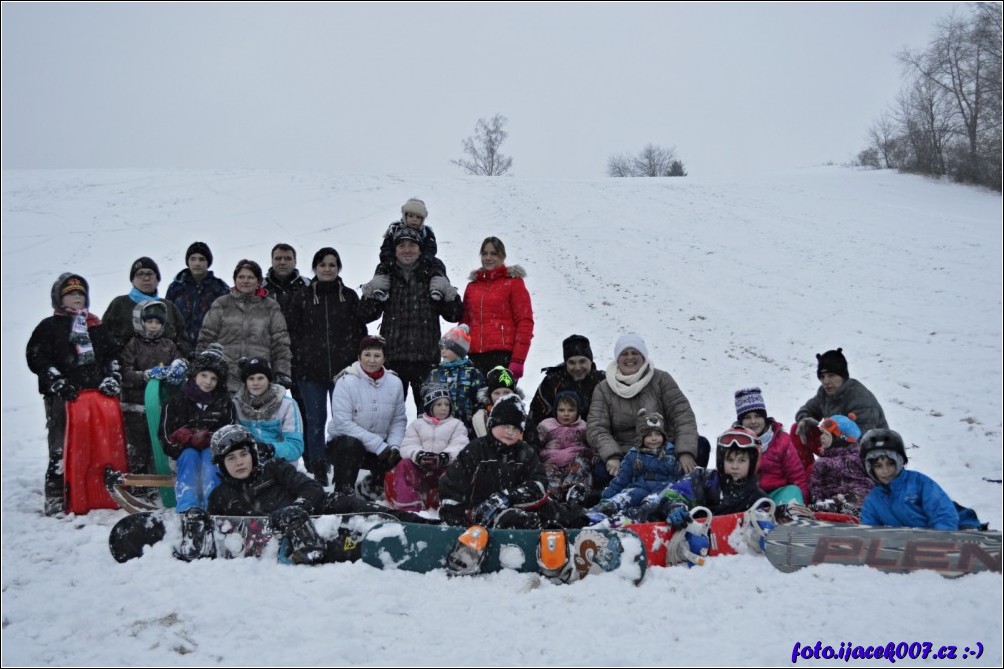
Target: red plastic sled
(95, 439)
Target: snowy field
(731, 283)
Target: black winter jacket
(325, 330)
(271, 486)
(182, 411)
(49, 346)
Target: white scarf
(627, 386)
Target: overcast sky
(394, 88)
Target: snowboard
(235, 536)
(157, 392)
(95, 439)
(424, 548)
(890, 549)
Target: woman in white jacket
(431, 443)
(367, 422)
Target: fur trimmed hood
(502, 271)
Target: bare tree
(651, 161)
(482, 149)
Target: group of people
(621, 442)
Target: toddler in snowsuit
(904, 498)
(413, 215)
(69, 351)
(431, 442)
(566, 456)
(188, 422)
(839, 481)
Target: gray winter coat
(851, 397)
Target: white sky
(393, 88)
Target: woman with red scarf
(498, 312)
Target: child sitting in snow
(413, 215)
(498, 383)
(431, 442)
(904, 498)
(839, 482)
(148, 355)
(647, 469)
(781, 473)
(188, 422)
(564, 451)
(458, 374)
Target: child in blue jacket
(903, 498)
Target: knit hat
(500, 377)
(747, 400)
(251, 265)
(508, 411)
(881, 442)
(832, 362)
(414, 206)
(201, 248)
(406, 234)
(212, 360)
(842, 427)
(322, 253)
(143, 263)
(650, 421)
(372, 341)
(568, 395)
(576, 345)
(433, 392)
(69, 282)
(250, 366)
(630, 340)
(458, 340)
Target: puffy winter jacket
(434, 436)
(139, 355)
(194, 298)
(497, 309)
(283, 428)
(370, 410)
(721, 495)
(325, 330)
(910, 500)
(49, 347)
(851, 397)
(653, 474)
(779, 464)
(270, 487)
(182, 410)
(118, 319)
(562, 443)
(464, 381)
(247, 326)
(839, 471)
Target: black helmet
(229, 438)
(882, 442)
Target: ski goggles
(830, 426)
(738, 439)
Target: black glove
(390, 456)
(485, 512)
(526, 496)
(427, 460)
(63, 389)
(110, 386)
(283, 380)
(289, 516)
(265, 451)
(444, 459)
(453, 514)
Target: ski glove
(486, 511)
(201, 438)
(182, 436)
(440, 285)
(265, 451)
(283, 380)
(158, 372)
(110, 386)
(804, 426)
(177, 372)
(679, 517)
(517, 369)
(390, 456)
(444, 459)
(380, 283)
(289, 516)
(526, 496)
(63, 389)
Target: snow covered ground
(731, 284)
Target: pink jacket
(780, 466)
(562, 443)
(435, 436)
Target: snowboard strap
(758, 521)
(691, 546)
(197, 537)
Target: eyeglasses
(146, 274)
(736, 439)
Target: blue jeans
(315, 404)
(196, 478)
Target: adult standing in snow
(367, 422)
(633, 383)
(145, 277)
(195, 288)
(410, 314)
(284, 280)
(577, 373)
(498, 311)
(325, 330)
(248, 325)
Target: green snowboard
(423, 548)
(157, 393)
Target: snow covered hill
(730, 283)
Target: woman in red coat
(498, 312)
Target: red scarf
(377, 375)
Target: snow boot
(197, 538)
(468, 552)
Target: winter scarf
(192, 391)
(767, 436)
(79, 337)
(627, 386)
(260, 407)
(137, 295)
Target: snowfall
(731, 283)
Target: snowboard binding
(758, 521)
(554, 555)
(197, 539)
(469, 551)
(692, 545)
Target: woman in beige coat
(248, 324)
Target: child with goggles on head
(839, 482)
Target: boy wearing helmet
(905, 498)
(839, 481)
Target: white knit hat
(630, 340)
